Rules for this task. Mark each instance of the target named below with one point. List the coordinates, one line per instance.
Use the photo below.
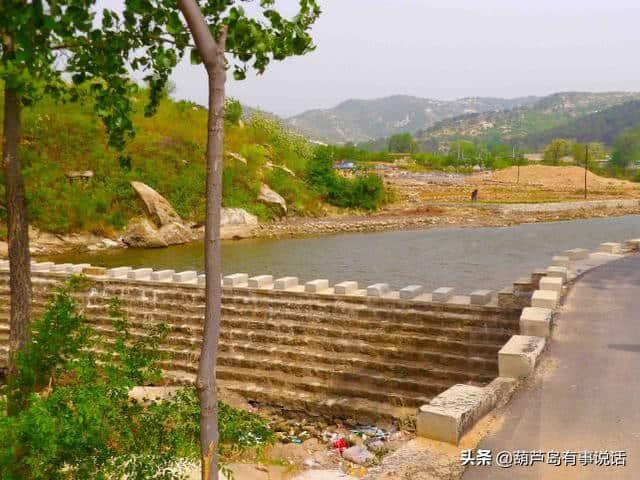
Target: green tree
(626, 149)
(219, 27)
(402, 143)
(43, 45)
(556, 149)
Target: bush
(66, 412)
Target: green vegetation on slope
(167, 153)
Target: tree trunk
(212, 53)
(17, 227)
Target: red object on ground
(340, 445)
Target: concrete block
(190, 276)
(536, 321)
(60, 267)
(481, 297)
(551, 283)
(4, 264)
(560, 261)
(162, 275)
(537, 274)
(411, 291)
(41, 266)
(452, 413)
(611, 247)
(316, 286)
(285, 283)
(97, 271)
(560, 272)
(140, 274)
(545, 299)
(235, 280)
(261, 281)
(519, 356)
(202, 279)
(378, 290)
(345, 288)
(77, 268)
(119, 272)
(577, 254)
(632, 244)
(442, 294)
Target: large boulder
(157, 207)
(270, 197)
(237, 223)
(142, 233)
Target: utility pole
(586, 164)
(513, 157)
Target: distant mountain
(365, 120)
(531, 123)
(603, 126)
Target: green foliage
(626, 148)
(232, 111)
(364, 191)
(402, 143)
(66, 412)
(351, 153)
(463, 154)
(557, 149)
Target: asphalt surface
(585, 395)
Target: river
(465, 258)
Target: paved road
(586, 392)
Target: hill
(167, 154)
(365, 120)
(603, 126)
(517, 124)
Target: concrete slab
(378, 290)
(577, 254)
(536, 321)
(560, 261)
(189, 276)
(345, 288)
(41, 266)
(162, 275)
(410, 292)
(481, 297)
(518, 358)
(96, 271)
(286, 283)
(78, 268)
(235, 280)
(140, 274)
(551, 283)
(261, 281)
(545, 299)
(118, 272)
(633, 244)
(442, 294)
(561, 272)
(611, 247)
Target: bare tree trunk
(17, 227)
(212, 53)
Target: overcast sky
(446, 49)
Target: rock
(157, 207)
(176, 233)
(141, 233)
(270, 197)
(311, 462)
(236, 223)
(358, 454)
(73, 175)
(108, 243)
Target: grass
(167, 153)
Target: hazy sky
(446, 49)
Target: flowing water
(465, 258)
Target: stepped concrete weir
(364, 353)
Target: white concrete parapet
(536, 321)
(286, 283)
(316, 286)
(481, 297)
(41, 267)
(561, 272)
(632, 244)
(345, 288)
(235, 280)
(545, 299)
(119, 272)
(163, 275)
(261, 281)
(378, 289)
(611, 247)
(411, 291)
(60, 267)
(77, 268)
(518, 358)
(202, 279)
(4, 264)
(442, 294)
(577, 254)
(140, 274)
(560, 261)
(189, 276)
(551, 283)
